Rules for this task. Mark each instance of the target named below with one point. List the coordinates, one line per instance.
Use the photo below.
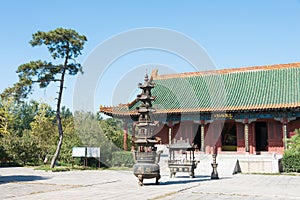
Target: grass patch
(120, 168)
(275, 174)
(64, 168)
(56, 169)
(291, 174)
(77, 167)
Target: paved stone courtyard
(27, 183)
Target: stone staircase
(229, 164)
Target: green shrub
(291, 156)
(122, 159)
(291, 161)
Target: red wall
(187, 129)
(275, 137)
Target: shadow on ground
(183, 180)
(20, 178)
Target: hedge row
(291, 161)
(122, 159)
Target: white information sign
(93, 152)
(78, 151)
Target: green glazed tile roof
(254, 88)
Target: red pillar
(170, 132)
(125, 136)
(202, 130)
(284, 132)
(246, 135)
(219, 137)
(133, 136)
(251, 138)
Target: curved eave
(116, 112)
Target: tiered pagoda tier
(145, 124)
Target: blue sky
(234, 33)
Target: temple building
(250, 110)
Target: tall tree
(64, 45)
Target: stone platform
(27, 183)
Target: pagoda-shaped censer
(146, 156)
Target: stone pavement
(26, 183)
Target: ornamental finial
(146, 76)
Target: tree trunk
(55, 156)
(58, 118)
